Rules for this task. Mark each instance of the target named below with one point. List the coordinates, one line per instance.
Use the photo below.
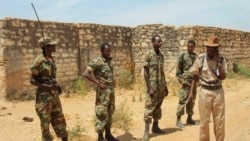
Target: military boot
(178, 122)
(109, 136)
(100, 136)
(64, 138)
(156, 128)
(146, 132)
(190, 120)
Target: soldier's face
(157, 43)
(190, 47)
(106, 53)
(51, 48)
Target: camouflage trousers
(184, 103)
(49, 110)
(153, 107)
(104, 108)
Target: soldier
(210, 68)
(105, 96)
(184, 63)
(48, 105)
(156, 86)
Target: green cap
(44, 41)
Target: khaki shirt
(209, 71)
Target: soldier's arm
(179, 70)
(194, 80)
(88, 74)
(34, 81)
(146, 76)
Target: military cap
(44, 41)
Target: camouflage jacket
(102, 69)
(155, 64)
(184, 63)
(43, 69)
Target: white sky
(231, 14)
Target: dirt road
(79, 111)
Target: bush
(76, 131)
(79, 87)
(124, 78)
(241, 69)
(122, 118)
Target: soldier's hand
(102, 86)
(190, 97)
(184, 85)
(217, 55)
(151, 92)
(54, 87)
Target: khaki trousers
(212, 101)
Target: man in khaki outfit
(210, 69)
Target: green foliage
(79, 87)
(76, 131)
(241, 70)
(124, 78)
(122, 118)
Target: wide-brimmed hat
(44, 41)
(213, 41)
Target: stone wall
(91, 36)
(19, 47)
(235, 45)
(79, 43)
(142, 43)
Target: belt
(207, 87)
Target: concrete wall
(79, 43)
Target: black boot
(146, 132)
(64, 138)
(100, 136)
(156, 129)
(190, 121)
(109, 136)
(178, 122)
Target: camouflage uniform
(155, 64)
(48, 105)
(105, 98)
(184, 63)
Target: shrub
(122, 118)
(124, 78)
(79, 87)
(241, 69)
(76, 131)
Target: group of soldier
(207, 69)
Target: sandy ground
(80, 111)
